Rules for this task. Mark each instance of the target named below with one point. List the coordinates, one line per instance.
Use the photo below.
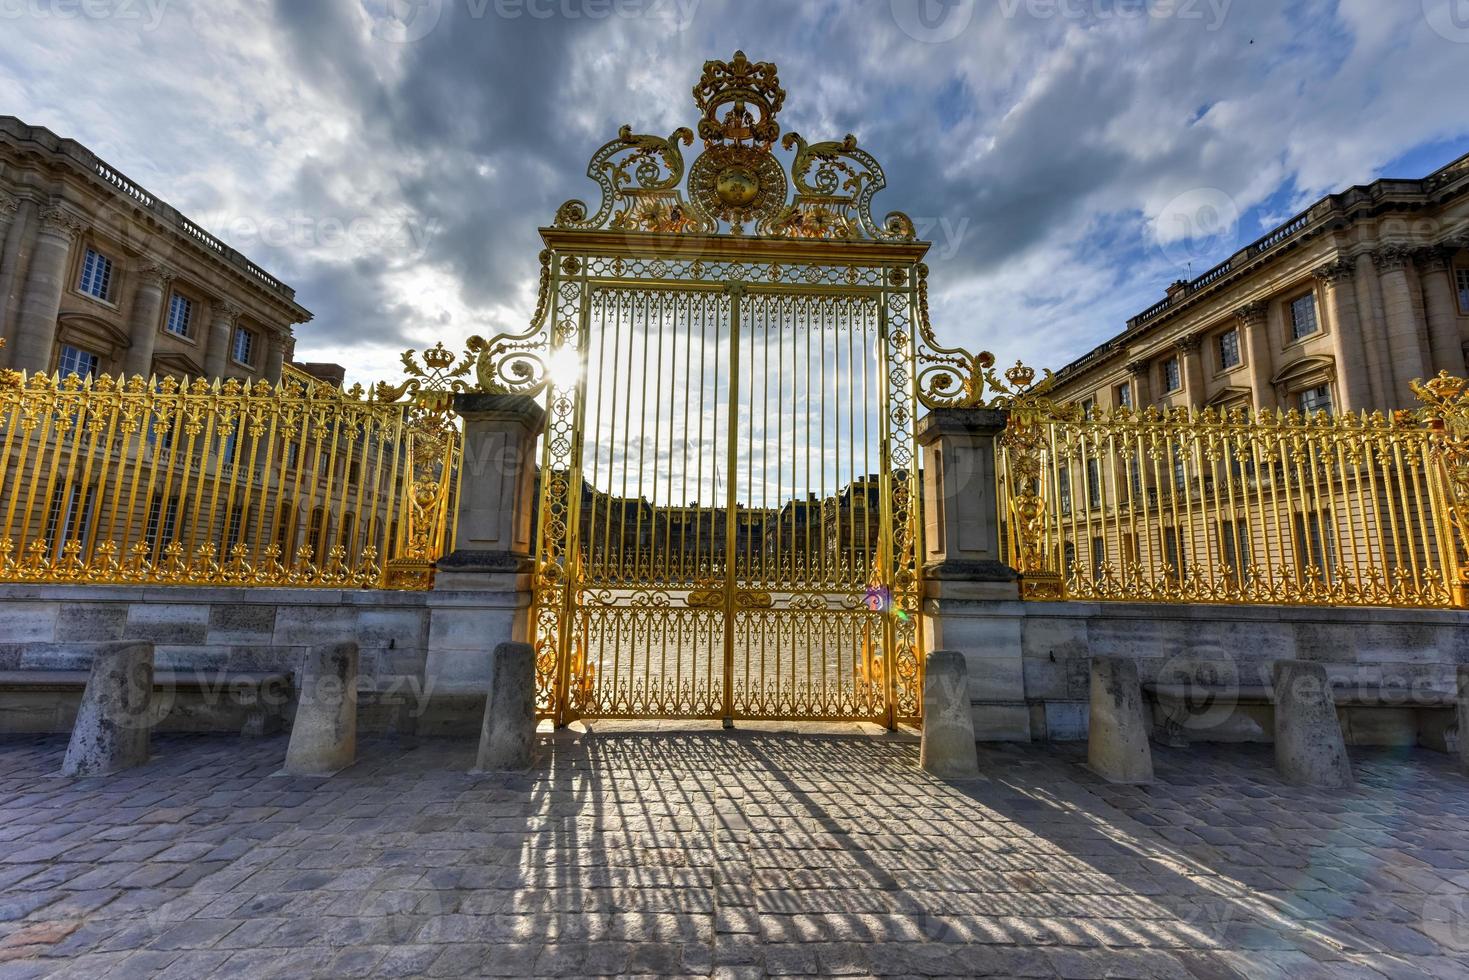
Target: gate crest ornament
(737, 181)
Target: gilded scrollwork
(948, 377)
(736, 181)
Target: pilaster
(1340, 301)
(1441, 308)
(1405, 332)
(147, 309)
(35, 327)
(224, 315)
(1254, 321)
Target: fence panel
(113, 480)
(1234, 507)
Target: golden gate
(728, 516)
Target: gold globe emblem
(736, 186)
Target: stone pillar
(1441, 307)
(1191, 363)
(1374, 326)
(12, 227)
(116, 717)
(324, 732)
(275, 356)
(482, 590)
(1309, 748)
(1355, 390)
(1405, 331)
(147, 310)
(971, 597)
(221, 334)
(508, 736)
(1254, 319)
(948, 747)
(35, 324)
(1142, 384)
(1117, 733)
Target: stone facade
(97, 275)
(1338, 309)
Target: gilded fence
(1238, 506)
(168, 482)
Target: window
(1089, 408)
(1316, 544)
(1461, 277)
(96, 275)
(1173, 553)
(74, 360)
(1315, 400)
(1099, 556)
(161, 524)
(228, 441)
(232, 530)
(1068, 558)
(1236, 547)
(1094, 482)
(69, 517)
(1172, 377)
(1229, 350)
(1063, 490)
(180, 315)
(1124, 395)
(1180, 471)
(1303, 317)
(244, 349)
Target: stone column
(1142, 384)
(1374, 326)
(275, 356)
(12, 226)
(1405, 331)
(1340, 299)
(970, 594)
(116, 716)
(35, 324)
(1441, 307)
(221, 334)
(1191, 363)
(148, 298)
(1254, 321)
(482, 590)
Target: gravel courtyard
(727, 854)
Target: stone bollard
(1309, 748)
(1464, 719)
(947, 750)
(508, 736)
(1117, 735)
(324, 734)
(116, 717)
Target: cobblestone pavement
(729, 854)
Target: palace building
(1338, 309)
(99, 276)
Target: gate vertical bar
(736, 292)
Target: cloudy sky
(392, 159)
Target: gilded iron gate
(728, 514)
